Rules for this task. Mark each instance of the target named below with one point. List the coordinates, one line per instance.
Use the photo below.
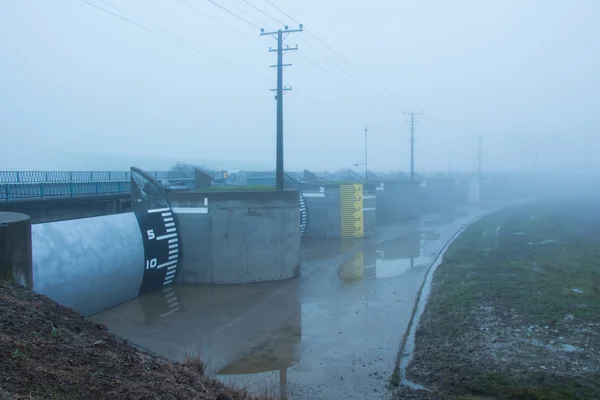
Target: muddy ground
(514, 310)
(48, 351)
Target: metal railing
(20, 185)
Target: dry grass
(51, 352)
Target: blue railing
(20, 185)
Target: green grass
(519, 266)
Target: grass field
(514, 310)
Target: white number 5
(151, 234)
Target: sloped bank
(513, 309)
(49, 351)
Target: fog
(83, 89)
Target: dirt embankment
(514, 310)
(48, 351)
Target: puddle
(386, 260)
(332, 333)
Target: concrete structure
(90, 264)
(238, 237)
(202, 179)
(15, 248)
(474, 195)
(398, 200)
(65, 208)
(439, 195)
(346, 328)
(340, 211)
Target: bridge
(23, 185)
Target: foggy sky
(81, 89)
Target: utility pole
(366, 167)
(412, 141)
(279, 96)
(479, 162)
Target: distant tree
(182, 168)
(187, 169)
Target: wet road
(334, 333)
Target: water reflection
(268, 362)
(331, 334)
(386, 260)
(160, 303)
(320, 249)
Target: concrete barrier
(15, 248)
(340, 210)
(62, 209)
(90, 264)
(398, 200)
(238, 237)
(439, 195)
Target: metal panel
(88, 264)
(303, 215)
(351, 211)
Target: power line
(209, 16)
(333, 51)
(193, 48)
(343, 82)
(348, 63)
(338, 66)
(251, 17)
(234, 14)
(281, 11)
(262, 12)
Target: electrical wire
(180, 42)
(209, 16)
(251, 17)
(337, 65)
(283, 12)
(234, 14)
(348, 63)
(343, 82)
(262, 12)
(332, 50)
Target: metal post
(412, 142)
(279, 97)
(366, 162)
(279, 164)
(479, 159)
(412, 147)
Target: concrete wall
(369, 209)
(238, 237)
(61, 209)
(439, 195)
(15, 248)
(323, 210)
(90, 264)
(398, 201)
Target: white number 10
(151, 263)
